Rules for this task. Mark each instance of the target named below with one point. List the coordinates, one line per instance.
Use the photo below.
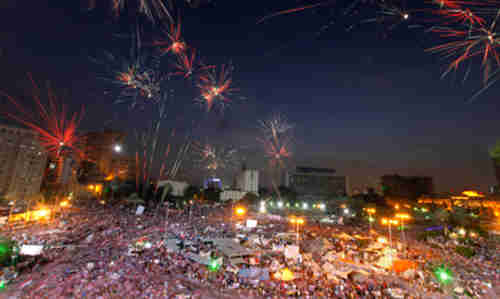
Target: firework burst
(173, 43)
(480, 41)
(216, 87)
(139, 79)
(276, 140)
(214, 158)
(56, 129)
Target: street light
(389, 223)
(370, 212)
(117, 148)
(297, 222)
(402, 217)
(240, 211)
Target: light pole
(370, 212)
(297, 222)
(389, 223)
(402, 217)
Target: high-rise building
(22, 162)
(316, 183)
(248, 181)
(410, 188)
(104, 149)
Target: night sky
(364, 103)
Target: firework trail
(187, 65)
(216, 87)
(155, 10)
(57, 131)
(276, 142)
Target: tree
(287, 193)
(211, 195)
(249, 198)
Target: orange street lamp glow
(240, 211)
(64, 204)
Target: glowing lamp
(285, 275)
(41, 213)
(462, 231)
(300, 221)
(64, 204)
(213, 266)
(240, 211)
(382, 240)
(305, 206)
(443, 275)
(346, 211)
(280, 204)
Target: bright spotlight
(280, 204)
(117, 148)
(305, 206)
(346, 211)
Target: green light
(2, 285)
(213, 266)
(4, 249)
(443, 275)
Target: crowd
(110, 252)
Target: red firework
(175, 43)
(187, 65)
(276, 152)
(215, 86)
(56, 131)
(292, 10)
(477, 42)
(461, 15)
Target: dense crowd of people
(110, 252)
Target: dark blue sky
(362, 103)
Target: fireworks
(187, 65)
(215, 88)
(56, 131)
(153, 9)
(138, 79)
(174, 42)
(277, 139)
(215, 158)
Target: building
(410, 188)
(22, 162)
(232, 195)
(316, 183)
(212, 183)
(248, 181)
(177, 187)
(105, 150)
(59, 170)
